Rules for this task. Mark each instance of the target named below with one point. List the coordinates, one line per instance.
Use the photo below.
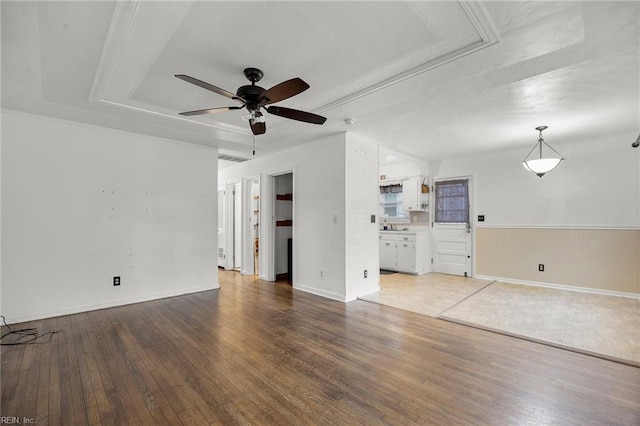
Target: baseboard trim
(360, 296)
(562, 287)
(319, 292)
(107, 304)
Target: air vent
(232, 158)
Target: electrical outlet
(322, 274)
(480, 218)
(116, 281)
(541, 267)
(365, 273)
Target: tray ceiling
(431, 80)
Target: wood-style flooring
(256, 352)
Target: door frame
(247, 263)
(268, 216)
(222, 229)
(472, 223)
(229, 226)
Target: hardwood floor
(262, 353)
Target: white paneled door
(452, 249)
(221, 234)
(452, 233)
(237, 226)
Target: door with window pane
(452, 233)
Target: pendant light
(541, 164)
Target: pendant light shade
(541, 163)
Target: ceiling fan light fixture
(254, 98)
(256, 118)
(542, 163)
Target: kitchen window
(391, 202)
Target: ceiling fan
(253, 98)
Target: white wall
(362, 242)
(637, 150)
(328, 235)
(319, 196)
(82, 204)
(402, 170)
(581, 220)
(596, 186)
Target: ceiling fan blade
(210, 87)
(294, 114)
(282, 91)
(209, 111)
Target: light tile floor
(428, 294)
(605, 326)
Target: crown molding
(120, 29)
(121, 24)
(126, 14)
(481, 22)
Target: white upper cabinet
(413, 199)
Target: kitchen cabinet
(387, 253)
(406, 256)
(405, 251)
(413, 199)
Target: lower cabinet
(406, 256)
(387, 254)
(406, 252)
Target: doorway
(230, 228)
(283, 226)
(237, 226)
(221, 228)
(451, 229)
(251, 232)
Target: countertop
(403, 232)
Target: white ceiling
(430, 80)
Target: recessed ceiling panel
(336, 47)
(81, 27)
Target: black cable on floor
(30, 334)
